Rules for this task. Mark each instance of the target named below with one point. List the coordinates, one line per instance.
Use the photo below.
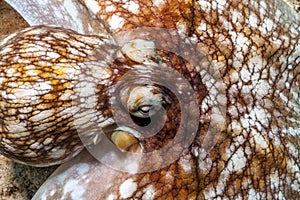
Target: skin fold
(240, 57)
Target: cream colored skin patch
(127, 188)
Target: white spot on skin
(149, 193)
(92, 6)
(30, 154)
(158, 3)
(52, 55)
(111, 197)
(214, 5)
(253, 194)
(36, 145)
(52, 192)
(65, 96)
(262, 8)
(181, 28)
(56, 152)
(41, 116)
(70, 71)
(294, 167)
(19, 128)
(205, 161)
(24, 93)
(74, 189)
(195, 151)
(236, 16)
(101, 73)
(110, 8)
(253, 21)
(234, 77)
(74, 51)
(260, 114)
(256, 63)
(133, 167)
(202, 27)
(85, 89)
(278, 14)
(236, 127)
(31, 91)
(169, 176)
(1, 79)
(221, 186)
(84, 118)
(239, 139)
(127, 188)
(292, 131)
(221, 2)
(262, 88)
(8, 96)
(245, 75)
(116, 22)
(10, 72)
(131, 6)
(185, 164)
(220, 7)
(82, 168)
(259, 139)
(237, 161)
(47, 141)
(10, 148)
(204, 5)
(267, 25)
(242, 42)
(280, 195)
(275, 181)
(217, 120)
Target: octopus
(171, 99)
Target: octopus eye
(125, 141)
(145, 109)
(142, 101)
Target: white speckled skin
(255, 45)
(67, 13)
(85, 173)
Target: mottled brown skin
(34, 138)
(263, 163)
(268, 169)
(37, 139)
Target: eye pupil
(145, 109)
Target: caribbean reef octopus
(172, 99)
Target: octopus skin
(243, 64)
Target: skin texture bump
(255, 48)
